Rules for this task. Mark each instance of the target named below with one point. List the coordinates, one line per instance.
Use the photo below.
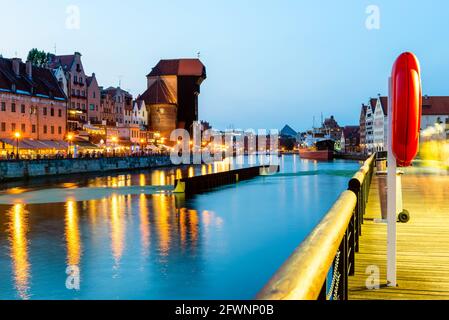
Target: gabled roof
(431, 105)
(179, 67)
(65, 61)
(435, 105)
(384, 104)
(372, 103)
(158, 93)
(351, 131)
(43, 82)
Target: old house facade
(32, 104)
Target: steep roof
(351, 131)
(179, 67)
(66, 61)
(373, 102)
(431, 105)
(158, 93)
(435, 105)
(42, 83)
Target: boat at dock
(321, 150)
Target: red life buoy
(406, 108)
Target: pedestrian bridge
(344, 257)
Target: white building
(369, 123)
(140, 114)
(435, 110)
(380, 124)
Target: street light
(114, 142)
(69, 139)
(17, 135)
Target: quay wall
(24, 169)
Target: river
(129, 237)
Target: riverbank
(24, 169)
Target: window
(33, 128)
(13, 107)
(23, 127)
(13, 127)
(3, 126)
(52, 112)
(22, 108)
(59, 130)
(59, 113)
(93, 94)
(52, 129)
(45, 129)
(73, 105)
(3, 106)
(92, 107)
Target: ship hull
(324, 155)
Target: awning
(30, 144)
(85, 145)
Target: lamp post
(114, 142)
(69, 139)
(17, 135)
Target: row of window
(14, 127)
(32, 109)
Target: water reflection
(72, 234)
(118, 226)
(149, 246)
(18, 229)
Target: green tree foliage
(38, 58)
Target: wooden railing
(328, 250)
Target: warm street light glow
(17, 135)
(114, 139)
(70, 137)
(142, 140)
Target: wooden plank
(423, 243)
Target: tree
(38, 58)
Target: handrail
(303, 274)
(334, 241)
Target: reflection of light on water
(118, 225)
(178, 173)
(19, 250)
(142, 180)
(72, 234)
(158, 178)
(144, 224)
(92, 209)
(162, 214)
(182, 226)
(203, 169)
(191, 172)
(193, 219)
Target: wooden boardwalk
(423, 243)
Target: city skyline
(286, 57)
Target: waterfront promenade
(422, 247)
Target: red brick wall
(42, 119)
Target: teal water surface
(150, 244)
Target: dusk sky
(268, 62)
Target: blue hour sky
(269, 62)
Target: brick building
(171, 98)
(31, 103)
(76, 88)
(94, 112)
